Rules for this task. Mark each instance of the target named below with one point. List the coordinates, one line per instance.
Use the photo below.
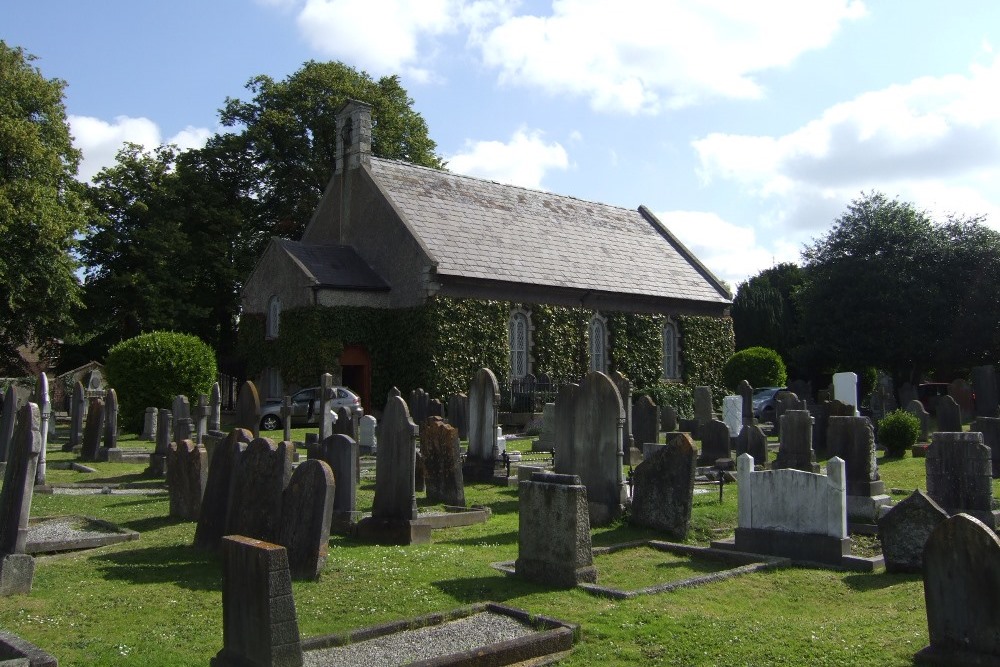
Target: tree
(41, 210)
(288, 133)
(766, 314)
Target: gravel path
(64, 528)
(92, 491)
(401, 648)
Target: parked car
(305, 407)
(764, 409)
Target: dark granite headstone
(201, 413)
(598, 457)
(215, 500)
(248, 409)
(158, 459)
(564, 454)
(435, 408)
(906, 393)
(663, 488)
(259, 480)
(553, 543)
(961, 391)
(795, 446)
(645, 421)
(745, 392)
(187, 474)
(624, 386)
(7, 420)
(259, 624)
(904, 529)
(484, 399)
(703, 411)
(984, 386)
(961, 579)
(442, 463)
(753, 441)
(458, 414)
(395, 462)
(668, 418)
(949, 415)
(916, 408)
(821, 416)
(990, 428)
(180, 409)
(345, 423)
(853, 440)
(76, 408)
(306, 514)
(110, 451)
(418, 404)
(93, 431)
(803, 391)
(16, 567)
(340, 452)
(215, 409)
(959, 474)
(714, 442)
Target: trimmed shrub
(151, 369)
(760, 366)
(897, 432)
(678, 396)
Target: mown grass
(158, 601)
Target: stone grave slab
(959, 475)
(215, 499)
(306, 513)
(903, 531)
(663, 488)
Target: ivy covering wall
(440, 345)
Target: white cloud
(733, 253)
(646, 55)
(523, 160)
(934, 141)
(100, 140)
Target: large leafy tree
(764, 311)
(288, 134)
(41, 210)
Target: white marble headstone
(845, 388)
(732, 414)
(501, 442)
(366, 433)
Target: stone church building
(480, 273)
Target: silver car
(305, 407)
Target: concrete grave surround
(663, 488)
(949, 415)
(990, 428)
(903, 531)
(745, 392)
(484, 399)
(340, 453)
(961, 580)
(187, 474)
(93, 430)
(553, 537)
(795, 447)
(248, 408)
(367, 440)
(259, 479)
(845, 388)
(853, 440)
(442, 463)
(645, 422)
(16, 566)
(715, 442)
(732, 414)
(959, 475)
(916, 408)
(753, 441)
(598, 418)
(259, 623)
(215, 499)
(306, 514)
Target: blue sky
(746, 126)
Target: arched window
(670, 370)
(518, 329)
(273, 316)
(598, 344)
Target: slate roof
(475, 228)
(337, 266)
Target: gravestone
(259, 480)
(668, 418)
(149, 425)
(821, 417)
(745, 392)
(959, 475)
(663, 489)
(841, 409)
(215, 499)
(345, 422)
(158, 459)
(110, 450)
(435, 408)
(259, 624)
(783, 402)
(903, 531)
(624, 387)
(795, 446)
(906, 393)
(715, 442)
(845, 388)
(990, 428)
(41, 399)
(753, 441)
(215, 409)
(553, 536)
(802, 389)
(961, 391)
(949, 415)
(458, 414)
(7, 420)
(248, 409)
(76, 409)
(340, 453)
(93, 430)
(326, 394)
(306, 513)
(201, 414)
(961, 579)
(394, 510)
(367, 441)
(916, 408)
(597, 420)
(418, 404)
(17, 568)
(442, 463)
(732, 414)
(703, 404)
(181, 411)
(484, 397)
(645, 421)
(187, 474)
(547, 438)
(853, 440)
(564, 453)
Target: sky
(747, 127)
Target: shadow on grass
(499, 588)
(509, 537)
(624, 532)
(151, 523)
(145, 500)
(183, 565)
(878, 580)
(137, 479)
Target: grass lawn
(157, 601)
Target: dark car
(764, 403)
(305, 407)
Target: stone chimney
(354, 136)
